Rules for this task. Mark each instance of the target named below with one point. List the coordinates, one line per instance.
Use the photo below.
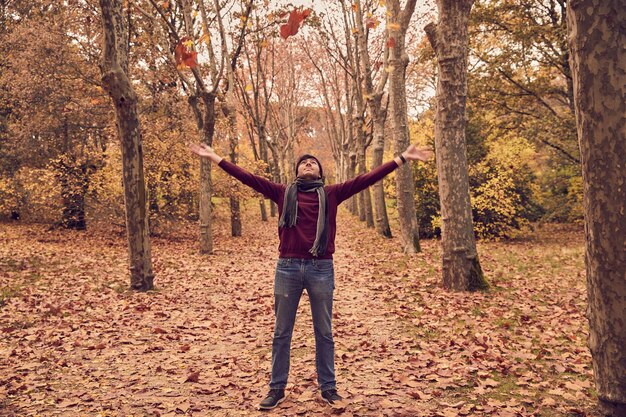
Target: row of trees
(511, 112)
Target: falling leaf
(183, 54)
(292, 26)
(372, 23)
(391, 42)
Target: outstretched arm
(347, 189)
(268, 188)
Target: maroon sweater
(295, 242)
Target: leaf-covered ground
(74, 341)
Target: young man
(306, 228)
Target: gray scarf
(289, 216)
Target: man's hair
(308, 156)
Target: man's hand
(205, 151)
(413, 153)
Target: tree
(254, 91)
(210, 82)
(597, 40)
(520, 78)
(337, 83)
(117, 83)
(373, 95)
(54, 113)
(449, 38)
(522, 71)
(397, 25)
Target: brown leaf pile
(74, 341)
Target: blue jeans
(317, 276)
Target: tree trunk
(365, 199)
(116, 82)
(206, 184)
(382, 219)
(461, 269)
(360, 161)
(405, 186)
(598, 62)
(374, 104)
(351, 171)
(263, 209)
(74, 184)
(272, 167)
(231, 119)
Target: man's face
(308, 169)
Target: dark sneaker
(274, 397)
(331, 396)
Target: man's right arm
(268, 188)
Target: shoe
(274, 397)
(331, 396)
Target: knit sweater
(295, 242)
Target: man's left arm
(349, 188)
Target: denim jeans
(317, 276)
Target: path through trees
(76, 341)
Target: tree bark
(235, 210)
(598, 62)
(382, 219)
(350, 173)
(405, 186)
(449, 37)
(365, 201)
(229, 108)
(115, 80)
(206, 182)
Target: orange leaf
(391, 42)
(193, 377)
(371, 23)
(293, 23)
(184, 55)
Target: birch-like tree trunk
(398, 61)
(229, 108)
(598, 62)
(206, 182)
(231, 120)
(449, 38)
(116, 82)
(373, 96)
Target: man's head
(309, 167)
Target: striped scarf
(289, 216)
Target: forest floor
(75, 342)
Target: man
(306, 228)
